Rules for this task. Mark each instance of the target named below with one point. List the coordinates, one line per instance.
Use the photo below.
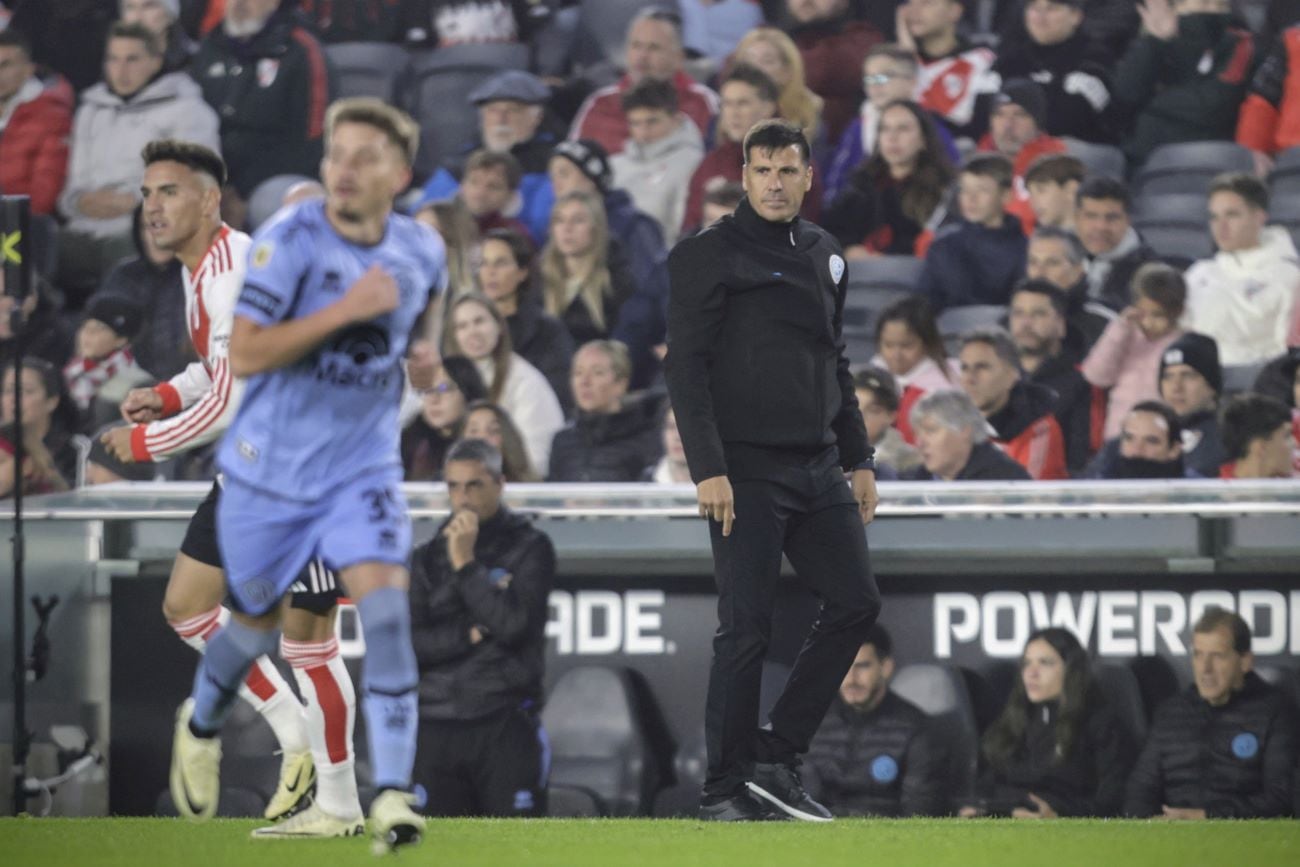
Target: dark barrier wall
(662, 626)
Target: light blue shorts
(266, 541)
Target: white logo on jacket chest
(267, 69)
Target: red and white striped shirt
(200, 402)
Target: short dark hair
(881, 385)
(194, 157)
(394, 123)
(747, 73)
(1102, 187)
(1172, 423)
(1074, 248)
(770, 136)
(1053, 293)
(1057, 169)
(878, 637)
(480, 451)
(1249, 417)
(122, 30)
(1163, 284)
(1216, 618)
(651, 94)
(14, 39)
(521, 248)
(1250, 188)
(996, 339)
(986, 165)
(486, 160)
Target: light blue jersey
(305, 429)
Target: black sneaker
(779, 786)
(740, 808)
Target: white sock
(324, 682)
(264, 688)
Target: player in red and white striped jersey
(182, 205)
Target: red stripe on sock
(199, 625)
(330, 699)
(259, 684)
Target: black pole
(15, 241)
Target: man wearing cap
(511, 119)
(1070, 66)
(654, 50)
(1016, 131)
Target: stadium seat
(862, 308)
(1241, 377)
(941, 693)
(600, 740)
(1100, 160)
(266, 199)
(886, 272)
(1284, 180)
(367, 69)
(1188, 167)
(435, 95)
(1171, 209)
(45, 243)
(682, 800)
(1285, 680)
(602, 29)
(956, 321)
(1179, 245)
(1120, 688)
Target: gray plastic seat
(1241, 377)
(941, 693)
(599, 745)
(602, 28)
(1180, 244)
(437, 84)
(956, 321)
(886, 272)
(862, 308)
(1100, 160)
(1120, 686)
(1171, 209)
(1188, 167)
(367, 69)
(268, 196)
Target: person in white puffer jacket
(1245, 296)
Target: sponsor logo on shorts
(259, 591)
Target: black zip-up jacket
(1073, 407)
(987, 463)
(1028, 402)
(464, 681)
(544, 343)
(608, 447)
(1075, 77)
(755, 346)
(1234, 761)
(1088, 781)
(884, 763)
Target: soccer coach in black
(760, 386)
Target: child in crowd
(103, 369)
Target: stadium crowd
(1070, 228)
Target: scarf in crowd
(86, 376)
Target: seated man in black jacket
(953, 439)
(478, 614)
(874, 754)
(1224, 748)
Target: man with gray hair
(1020, 412)
(953, 439)
(478, 614)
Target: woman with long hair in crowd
(478, 332)
(454, 223)
(895, 198)
(579, 286)
(488, 422)
(48, 412)
(442, 415)
(909, 346)
(775, 53)
(1057, 749)
(505, 274)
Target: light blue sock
(389, 677)
(222, 668)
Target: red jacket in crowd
(1028, 431)
(1020, 207)
(34, 147)
(726, 163)
(601, 116)
(832, 69)
(1269, 121)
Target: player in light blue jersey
(311, 462)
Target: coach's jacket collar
(766, 231)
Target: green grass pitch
(668, 843)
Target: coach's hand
(864, 491)
(461, 533)
(717, 502)
(142, 405)
(374, 294)
(422, 365)
(118, 443)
